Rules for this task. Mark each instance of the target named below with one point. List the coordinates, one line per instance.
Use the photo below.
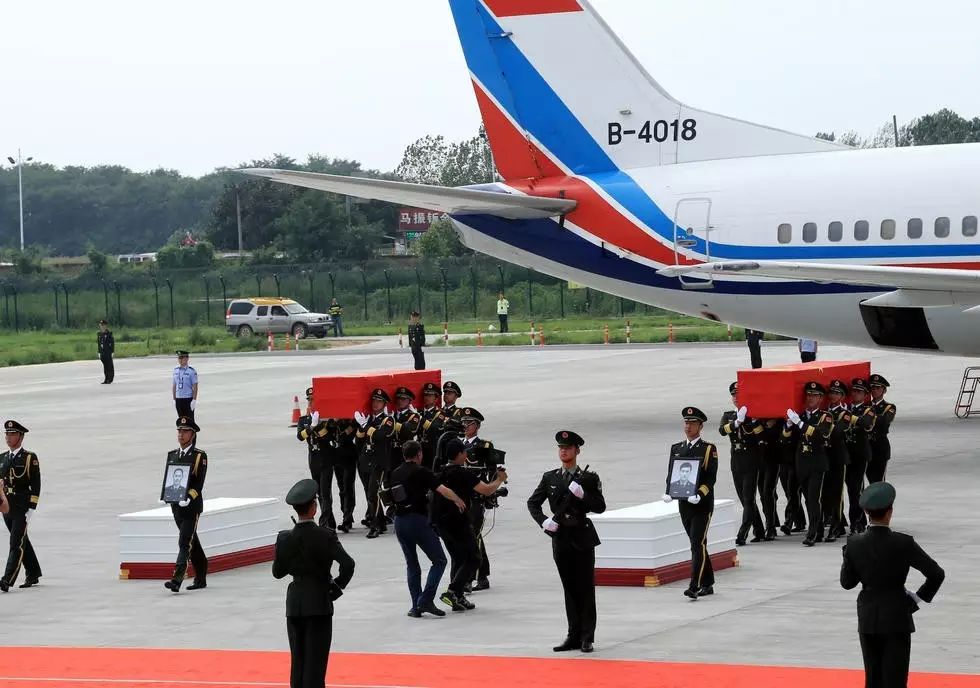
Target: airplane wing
(460, 201)
(904, 286)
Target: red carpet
(117, 668)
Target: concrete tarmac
(102, 450)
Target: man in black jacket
(572, 494)
(307, 553)
(107, 346)
(880, 559)
(188, 510)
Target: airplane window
(888, 229)
(810, 232)
(970, 225)
(942, 227)
(915, 228)
(836, 231)
(861, 230)
(785, 233)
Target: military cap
(567, 438)
(860, 383)
(14, 426)
(837, 386)
(471, 414)
(103, 322)
(450, 386)
(430, 388)
(732, 388)
(877, 380)
(185, 423)
(181, 353)
(309, 392)
(380, 395)
(814, 388)
(693, 413)
(877, 496)
(302, 492)
(404, 393)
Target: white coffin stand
(234, 532)
(645, 545)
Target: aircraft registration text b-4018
(658, 131)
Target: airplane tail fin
(559, 93)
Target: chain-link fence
(377, 292)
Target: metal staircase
(964, 403)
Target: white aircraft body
(609, 182)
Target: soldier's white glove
(694, 499)
(411, 408)
(550, 526)
(184, 502)
(576, 489)
(193, 404)
(360, 419)
(915, 598)
(667, 499)
(315, 418)
(740, 418)
(793, 417)
(28, 515)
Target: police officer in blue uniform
(185, 386)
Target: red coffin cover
(338, 396)
(768, 392)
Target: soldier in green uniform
(307, 553)
(746, 437)
(416, 340)
(859, 450)
(771, 451)
(808, 435)
(374, 439)
(433, 424)
(881, 446)
(838, 460)
(879, 559)
(20, 478)
(696, 510)
(319, 435)
(451, 393)
(572, 494)
(407, 423)
(188, 510)
(476, 452)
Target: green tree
(98, 262)
(944, 126)
(440, 241)
(174, 256)
(431, 160)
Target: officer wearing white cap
(879, 559)
(20, 475)
(881, 446)
(187, 510)
(808, 434)
(307, 553)
(696, 510)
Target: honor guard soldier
(451, 393)
(770, 451)
(808, 434)
(416, 340)
(344, 432)
(697, 509)
(107, 346)
(187, 509)
(433, 424)
(307, 553)
(881, 446)
(879, 559)
(317, 435)
(374, 438)
(20, 478)
(476, 450)
(572, 494)
(837, 461)
(185, 386)
(746, 437)
(407, 422)
(859, 450)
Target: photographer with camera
(410, 486)
(480, 457)
(455, 527)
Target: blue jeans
(412, 531)
(338, 326)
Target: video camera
(489, 461)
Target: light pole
(19, 162)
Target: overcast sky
(192, 85)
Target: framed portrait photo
(684, 472)
(175, 480)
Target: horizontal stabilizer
(455, 201)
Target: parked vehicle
(246, 317)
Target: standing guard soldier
(572, 494)
(476, 449)
(859, 450)
(881, 446)
(808, 434)
(20, 478)
(879, 559)
(416, 340)
(107, 346)
(837, 461)
(317, 435)
(307, 553)
(374, 437)
(407, 423)
(185, 386)
(188, 510)
(696, 510)
(746, 437)
(433, 424)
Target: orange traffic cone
(479, 337)
(605, 335)
(272, 343)
(296, 413)
(287, 342)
